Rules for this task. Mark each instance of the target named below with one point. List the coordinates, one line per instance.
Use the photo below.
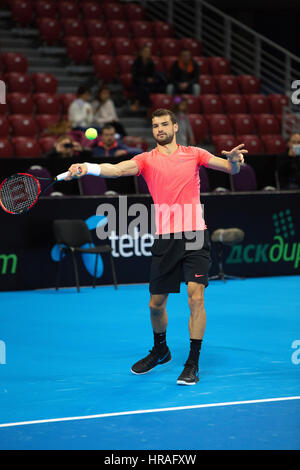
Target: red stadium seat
(100, 45)
(267, 124)
(227, 84)
(18, 82)
(249, 84)
(68, 9)
(45, 9)
(134, 12)
(22, 12)
(151, 42)
(274, 144)
(44, 82)
(113, 11)
(141, 29)
(161, 29)
(14, 62)
(243, 124)
(123, 46)
(46, 103)
(219, 124)
(73, 27)
(26, 147)
(219, 65)
(253, 144)
(169, 46)
(23, 125)
(136, 142)
(6, 150)
(192, 103)
(118, 28)
(224, 142)
(95, 28)
(258, 104)
(126, 81)
(91, 10)
(159, 65)
(4, 108)
(20, 103)
(203, 65)
(47, 143)
(199, 127)
(234, 104)
(49, 29)
(207, 84)
(77, 49)
(66, 99)
(278, 101)
(211, 104)
(105, 67)
(44, 121)
(193, 45)
(168, 62)
(125, 63)
(4, 126)
(161, 100)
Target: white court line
(157, 410)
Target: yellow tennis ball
(91, 133)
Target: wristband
(93, 169)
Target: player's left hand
(236, 154)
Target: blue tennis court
(65, 379)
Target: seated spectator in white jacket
(80, 111)
(105, 112)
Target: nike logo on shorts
(199, 275)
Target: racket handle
(62, 176)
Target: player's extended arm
(232, 164)
(106, 170)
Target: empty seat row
(37, 103)
(24, 83)
(256, 145)
(208, 126)
(108, 28)
(232, 103)
(24, 12)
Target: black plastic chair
(73, 234)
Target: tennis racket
(20, 192)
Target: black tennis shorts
(174, 260)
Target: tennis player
(172, 174)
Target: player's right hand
(76, 170)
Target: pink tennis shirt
(174, 184)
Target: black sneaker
(149, 362)
(189, 375)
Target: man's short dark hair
(107, 126)
(165, 112)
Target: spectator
(65, 128)
(109, 146)
(105, 112)
(184, 75)
(289, 164)
(145, 79)
(80, 111)
(185, 135)
(66, 147)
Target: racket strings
(19, 192)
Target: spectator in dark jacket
(109, 146)
(289, 164)
(184, 75)
(145, 79)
